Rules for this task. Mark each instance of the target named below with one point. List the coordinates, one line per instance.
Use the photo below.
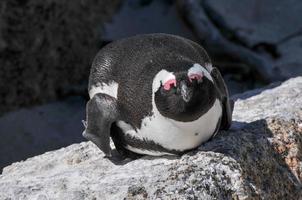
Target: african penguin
(155, 94)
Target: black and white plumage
(155, 94)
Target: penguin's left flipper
(101, 112)
(227, 104)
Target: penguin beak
(185, 91)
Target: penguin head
(184, 95)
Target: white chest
(175, 135)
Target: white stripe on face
(209, 66)
(161, 77)
(198, 69)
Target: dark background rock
(271, 28)
(254, 22)
(46, 48)
(261, 35)
(146, 16)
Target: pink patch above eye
(169, 84)
(195, 76)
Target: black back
(133, 62)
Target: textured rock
(46, 48)
(259, 158)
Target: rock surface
(259, 158)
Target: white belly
(175, 135)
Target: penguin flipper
(227, 104)
(101, 112)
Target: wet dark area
(47, 47)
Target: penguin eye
(193, 77)
(170, 84)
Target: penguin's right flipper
(101, 112)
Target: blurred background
(47, 47)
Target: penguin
(155, 94)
